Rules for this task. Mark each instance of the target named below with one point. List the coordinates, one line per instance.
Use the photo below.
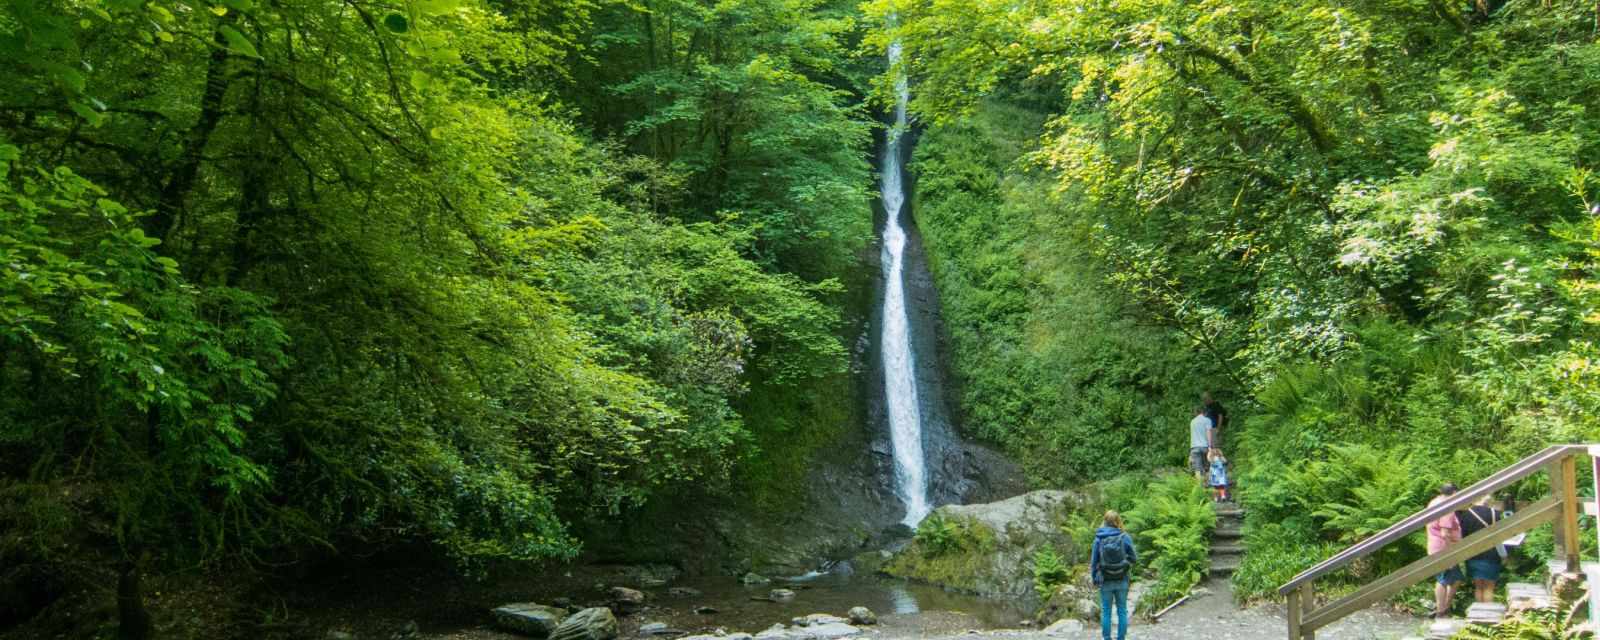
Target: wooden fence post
(1564, 487)
(1293, 604)
(1308, 604)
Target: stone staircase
(1227, 540)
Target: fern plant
(1538, 624)
(1049, 572)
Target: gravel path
(1213, 616)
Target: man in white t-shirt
(1200, 439)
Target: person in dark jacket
(1111, 561)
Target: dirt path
(1213, 616)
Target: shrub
(939, 535)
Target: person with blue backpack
(1111, 563)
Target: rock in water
(683, 592)
(817, 619)
(627, 600)
(863, 616)
(781, 595)
(528, 618)
(827, 631)
(1064, 627)
(594, 623)
(753, 578)
(705, 611)
(654, 628)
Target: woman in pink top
(1442, 533)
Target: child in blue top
(1218, 478)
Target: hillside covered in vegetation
(1371, 228)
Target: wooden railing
(1560, 507)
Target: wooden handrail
(1501, 479)
(1539, 513)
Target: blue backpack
(1114, 562)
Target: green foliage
(1376, 221)
(954, 552)
(1537, 624)
(420, 300)
(1047, 361)
(939, 535)
(120, 371)
(1049, 572)
(1172, 522)
(753, 102)
(1278, 552)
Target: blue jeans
(1114, 593)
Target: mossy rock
(988, 549)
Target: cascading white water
(899, 364)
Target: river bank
(383, 605)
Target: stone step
(1228, 511)
(1488, 613)
(1227, 550)
(1444, 628)
(1522, 596)
(1227, 533)
(1221, 567)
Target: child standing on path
(1219, 476)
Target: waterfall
(899, 363)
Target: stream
(897, 603)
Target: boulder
(626, 600)
(1065, 627)
(594, 623)
(987, 549)
(774, 632)
(862, 616)
(656, 629)
(871, 562)
(781, 595)
(753, 578)
(1078, 599)
(528, 618)
(817, 619)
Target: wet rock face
(958, 472)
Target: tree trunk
(133, 620)
(173, 194)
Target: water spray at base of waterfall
(899, 363)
